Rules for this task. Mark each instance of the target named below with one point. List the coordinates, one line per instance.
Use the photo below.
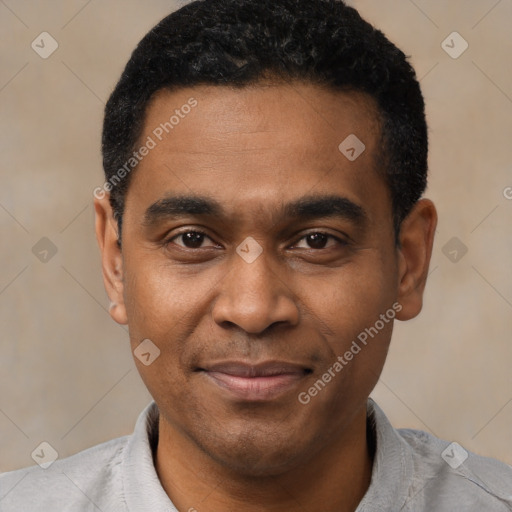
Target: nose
(253, 297)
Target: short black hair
(239, 42)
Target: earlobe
(416, 241)
(111, 258)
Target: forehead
(303, 116)
(255, 145)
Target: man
(261, 227)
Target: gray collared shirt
(412, 472)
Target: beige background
(66, 374)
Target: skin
(302, 301)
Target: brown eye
(190, 239)
(317, 240)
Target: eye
(318, 240)
(190, 240)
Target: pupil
(193, 239)
(317, 240)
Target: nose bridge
(253, 296)
(253, 282)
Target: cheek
(357, 308)
(354, 297)
(357, 346)
(162, 299)
(168, 308)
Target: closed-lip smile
(255, 382)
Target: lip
(255, 382)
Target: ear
(416, 241)
(111, 257)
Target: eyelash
(338, 240)
(200, 232)
(177, 235)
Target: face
(254, 254)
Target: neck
(334, 479)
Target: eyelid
(342, 239)
(170, 239)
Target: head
(265, 162)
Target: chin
(257, 454)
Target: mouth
(255, 382)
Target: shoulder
(88, 479)
(415, 471)
(447, 472)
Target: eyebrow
(312, 207)
(304, 208)
(181, 206)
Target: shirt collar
(392, 465)
(142, 488)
